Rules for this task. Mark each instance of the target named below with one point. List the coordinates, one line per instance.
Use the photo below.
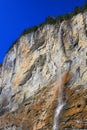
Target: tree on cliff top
(57, 20)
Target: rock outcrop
(29, 78)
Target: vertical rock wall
(29, 78)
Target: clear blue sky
(17, 15)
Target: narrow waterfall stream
(60, 98)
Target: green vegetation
(51, 20)
(29, 30)
(58, 19)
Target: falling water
(60, 98)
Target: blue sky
(17, 15)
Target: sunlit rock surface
(29, 79)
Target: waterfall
(60, 98)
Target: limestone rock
(29, 78)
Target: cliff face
(29, 78)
